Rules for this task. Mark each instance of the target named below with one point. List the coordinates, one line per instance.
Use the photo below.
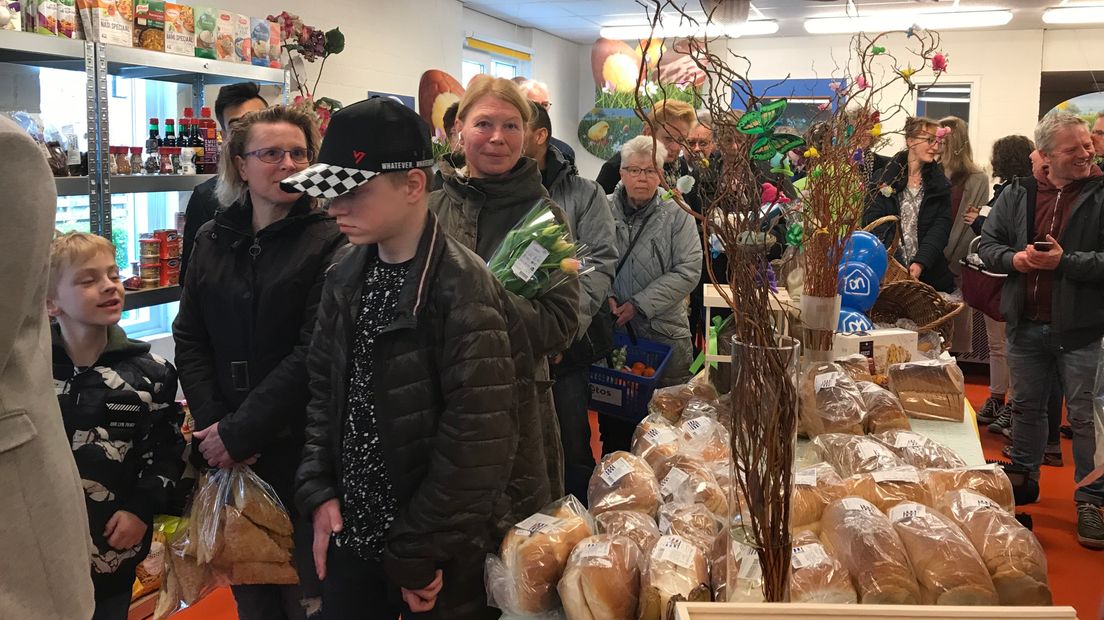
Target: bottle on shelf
(210, 151)
(72, 151)
(170, 133)
(154, 132)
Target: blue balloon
(866, 248)
(851, 320)
(858, 286)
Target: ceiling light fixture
(1074, 15)
(750, 28)
(881, 22)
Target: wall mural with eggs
(669, 73)
(437, 90)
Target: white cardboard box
(887, 346)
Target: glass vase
(819, 319)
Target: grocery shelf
(132, 62)
(151, 297)
(71, 186)
(141, 183)
(39, 50)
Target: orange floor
(1076, 573)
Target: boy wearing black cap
(412, 426)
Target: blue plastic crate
(622, 394)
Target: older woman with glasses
(913, 187)
(245, 322)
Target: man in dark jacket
(413, 424)
(589, 216)
(1048, 239)
(234, 101)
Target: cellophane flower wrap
(538, 254)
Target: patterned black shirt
(369, 505)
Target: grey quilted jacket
(659, 273)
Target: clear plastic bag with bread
(677, 571)
(862, 538)
(670, 402)
(735, 570)
(623, 481)
(918, 450)
(715, 410)
(687, 479)
(694, 522)
(602, 579)
(709, 440)
(522, 579)
(930, 389)
(636, 526)
(238, 533)
(947, 567)
(855, 454)
(889, 487)
(830, 401)
(1011, 553)
(814, 488)
(816, 576)
(883, 410)
(987, 480)
(655, 439)
(857, 366)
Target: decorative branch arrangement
(305, 44)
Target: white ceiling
(580, 20)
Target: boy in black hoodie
(118, 404)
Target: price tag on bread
(673, 480)
(594, 549)
(748, 558)
(901, 474)
(825, 380)
(806, 477)
(676, 550)
(660, 435)
(808, 555)
(616, 471)
(857, 503)
(973, 500)
(536, 523)
(903, 512)
(911, 441)
(697, 427)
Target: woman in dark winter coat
(245, 323)
(478, 205)
(913, 187)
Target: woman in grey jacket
(660, 254)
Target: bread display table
(798, 611)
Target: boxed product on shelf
(206, 24)
(262, 41)
(108, 21)
(275, 45)
(13, 19)
(886, 346)
(45, 17)
(243, 44)
(224, 36)
(68, 23)
(149, 25)
(180, 37)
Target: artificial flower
(834, 86)
(812, 152)
(939, 63)
(885, 190)
(704, 162)
(861, 82)
(876, 131)
(685, 184)
(877, 49)
(942, 133)
(822, 107)
(906, 73)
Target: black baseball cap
(364, 139)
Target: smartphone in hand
(1043, 246)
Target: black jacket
(244, 326)
(1077, 296)
(446, 409)
(933, 224)
(201, 209)
(123, 422)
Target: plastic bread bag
(816, 576)
(889, 487)
(655, 439)
(522, 579)
(709, 440)
(669, 402)
(931, 389)
(946, 566)
(735, 570)
(918, 450)
(602, 579)
(987, 480)
(862, 538)
(830, 401)
(855, 454)
(857, 366)
(697, 407)
(883, 411)
(693, 522)
(636, 526)
(623, 481)
(677, 571)
(185, 581)
(687, 479)
(702, 388)
(813, 489)
(1013, 556)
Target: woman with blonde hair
(478, 205)
(245, 323)
(969, 190)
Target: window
(499, 59)
(504, 70)
(471, 69)
(940, 100)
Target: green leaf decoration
(335, 42)
(794, 235)
(877, 49)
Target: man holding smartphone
(1048, 235)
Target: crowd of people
(339, 332)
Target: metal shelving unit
(98, 61)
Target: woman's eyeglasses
(633, 171)
(275, 155)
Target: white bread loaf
(815, 575)
(636, 526)
(677, 571)
(623, 481)
(602, 579)
(862, 538)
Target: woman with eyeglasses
(245, 321)
(912, 187)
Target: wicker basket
(919, 303)
(895, 271)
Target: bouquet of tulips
(537, 255)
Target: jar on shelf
(122, 162)
(149, 249)
(187, 160)
(153, 158)
(112, 163)
(165, 155)
(174, 158)
(136, 160)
